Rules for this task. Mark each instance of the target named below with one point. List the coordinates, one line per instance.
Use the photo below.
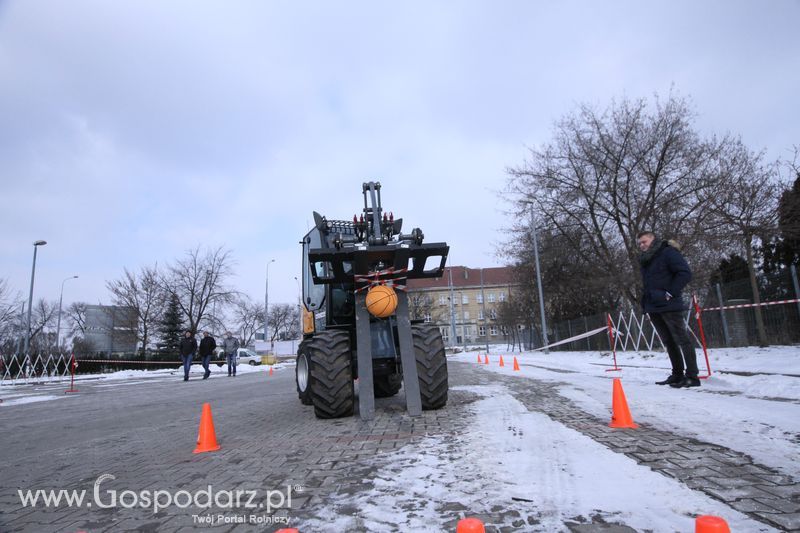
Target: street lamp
(30, 297)
(266, 302)
(60, 299)
(538, 276)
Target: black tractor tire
(431, 365)
(302, 375)
(331, 374)
(386, 386)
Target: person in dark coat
(187, 348)
(665, 273)
(207, 347)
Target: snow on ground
(516, 456)
(758, 415)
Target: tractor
(356, 322)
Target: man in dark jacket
(665, 273)
(207, 347)
(187, 348)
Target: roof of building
(466, 277)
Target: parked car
(246, 356)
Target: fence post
(722, 316)
(793, 269)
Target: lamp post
(30, 298)
(61, 299)
(538, 276)
(266, 303)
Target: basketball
(381, 301)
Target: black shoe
(670, 380)
(185, 378)
(208, 373)
(686, 383)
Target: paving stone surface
(129, 441)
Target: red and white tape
(742, 306)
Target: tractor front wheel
(330, 373)
(431, 365)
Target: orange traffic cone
(207, 438)
(270, 371)
(479, 358)
(620, 415)
(470, 525)
(501, 361)
(516, 364)
(486, 359)
(288, 530)
(710, 524)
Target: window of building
(464, 299)
(442, 299)
(445, 334)
(491, 297)
(493, 314)
(481, 331)
(521, 327)
(428, 318)
(493, 331)
(480, 314)
(466, 315)
(479, 298)
(502, 297)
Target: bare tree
(143, 294)
(199, 281)
(9, 304)
(420, 305)
(249, 317)
(747, 206)
(283, 321)
(43, 317)
(76, 313)
(609, 174)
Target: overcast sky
(131, 131)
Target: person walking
(187, 349)
(664, 275)
(207, 347)
(230, 346)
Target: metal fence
(729, 318)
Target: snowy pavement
(524, 451)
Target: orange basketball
(381, 301)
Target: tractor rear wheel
(431, 365)
(386, 386)
(302, 375)
(331, 374)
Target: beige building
(476, 292)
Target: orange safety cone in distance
(288, 530)
(620, 415)
(710, 524)
(486, 359)
(270, 371)
(516, 364)
(207, 440)
(479, 358)
(470, 525)
(501, 361)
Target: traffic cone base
(620, 414)
(207, 438)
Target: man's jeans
(187, 363)
(231, 363)
(672, 330)
(206, 361)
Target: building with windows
(475, 294)
(111, 328)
